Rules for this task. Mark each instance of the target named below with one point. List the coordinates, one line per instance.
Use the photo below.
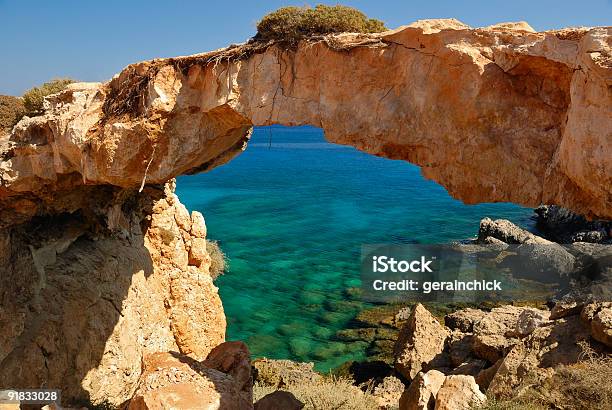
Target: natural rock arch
(494, 114)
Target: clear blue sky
(92, 40)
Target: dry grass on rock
(325, 393)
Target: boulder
(528, 321)
(490, 340)
(505, 231)
(171, 380)
(388, 392)
(234, 359)
(565, 308)
(544, 261)
(539, 353)
(422, 392)
(464, 319)
(420, 341)
(601, 326)
(564, 226)
(459, 393)
(279, 400)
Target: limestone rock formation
(478, 109)
(490, 341)
(420, 341)
(459, 393)
(388, 392)
(95, 290)
(599, 317)
(174, 381)
(422, 392)
(101, 266)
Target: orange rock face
(101, 265)
(92, 294)
(500, 113)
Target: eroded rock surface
(94, 291)
(101, 267)
(420, 342)
(174, 381)
(493, 114)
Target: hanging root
(126, 94)
(144, 178)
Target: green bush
(218, 260)
(11, 111)
(33, 98)
(290, 24)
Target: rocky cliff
(100, 263)
(493, 114)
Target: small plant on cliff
(290, 24)
(11, 111)
(33, 98)
(218, 260)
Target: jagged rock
(171, 380)
(280, 372)
(459, 347)
(485, 376)
(279, 400)
(563, 309)
(494, 243)
(565, 226)
(109, 297)
(545, 348)
(490, 341)
(528, 321)
(464, 319)
(420, 341)
(471, 367)
(601, 323)
(459, 392)
(590, 310)
(388, 392)
(505, 231)
(422, 392)
(233, 358)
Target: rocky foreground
(105, 289)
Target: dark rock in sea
(564, 226)
(361, 372)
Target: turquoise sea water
(292, 216)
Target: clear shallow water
(292, 217)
